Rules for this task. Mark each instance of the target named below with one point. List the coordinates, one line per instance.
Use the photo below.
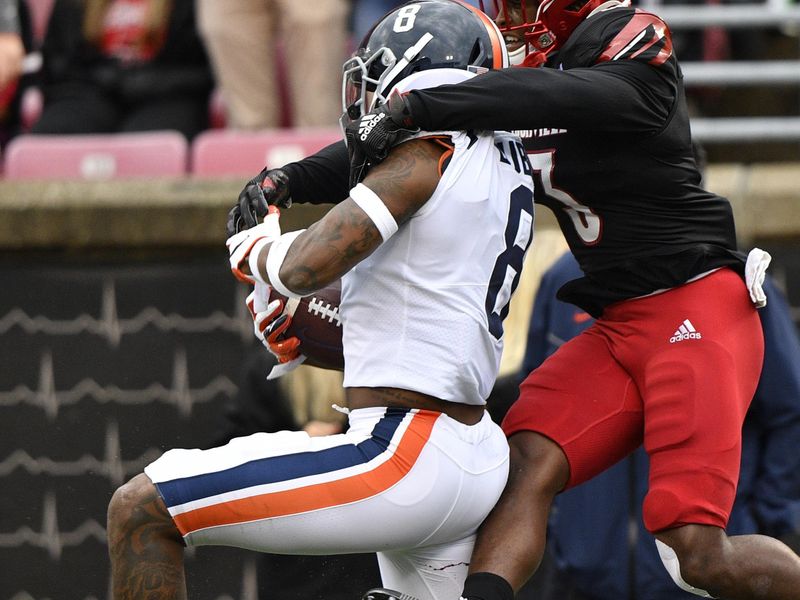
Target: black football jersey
(606, 127)
(607, 131)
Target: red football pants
(675, 371)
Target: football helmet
(554, 23)
(421, 35)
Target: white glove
(270, 320)
(755, 270)
(261, 310)
(241, 245)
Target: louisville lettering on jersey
(537, 133)
(645, 38)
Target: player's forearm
(329, 249)
(301, 263)
(320, 178)
(595, 99)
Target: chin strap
(534, 60)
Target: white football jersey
(424, 312)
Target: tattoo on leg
(147, 554)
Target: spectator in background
(15, 42)
(242, 40)
(123, 65)
(12, 47)
(593, 555)
(368, 12)
(298, 400)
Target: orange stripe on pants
(320, 495)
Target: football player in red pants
(676, 352)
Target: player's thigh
(694, 441)
(697, 392)
(396, 479)
(584, 401)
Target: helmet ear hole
(353, 111)
(478, 55)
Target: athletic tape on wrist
(376, 210)
(277, 253)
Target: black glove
(268, 188)
(370, 137)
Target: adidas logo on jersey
(368, 123)
(685, 332)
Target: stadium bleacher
(97, 157)
(225, 152)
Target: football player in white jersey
(429, 249)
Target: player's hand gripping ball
(270, 323)
(314, 322)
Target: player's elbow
(310, 266)
(301, 280)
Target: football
(317, 324)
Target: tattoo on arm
(331, 247)
(346, 235)
(406, 180)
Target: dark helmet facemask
(360, 78)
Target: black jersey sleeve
(322, 177)
(623, 96)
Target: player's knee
(538, 462)
(697, 569)
(128, 506)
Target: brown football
(316, 322)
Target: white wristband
(376, 210)
(277, 253)
(252, 259)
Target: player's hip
(710, 316)
(308, 492)
(367, 397)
